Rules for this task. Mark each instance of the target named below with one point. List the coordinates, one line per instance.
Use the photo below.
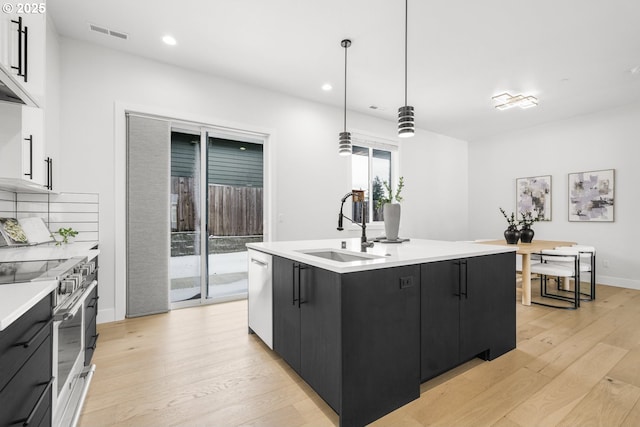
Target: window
(372, 164)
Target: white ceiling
(574, 55)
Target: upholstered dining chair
(587, 265)
(559, 263)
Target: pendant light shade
(406, 123)
(344, 141)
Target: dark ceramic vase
(512, 235)
(526, 235)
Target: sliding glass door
(185, 263)
(234, 212)
(224, 174)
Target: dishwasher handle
(260, 263)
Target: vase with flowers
(390, 210)
(526, 233)
(511, 234)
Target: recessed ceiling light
(327, 87)
(243, 148)
(169, 40)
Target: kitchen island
(365, 329)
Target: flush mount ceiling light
(406, 124)
(344, 143)
(505, 101)
(171, 41)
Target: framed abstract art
(533, 194)
(591, 196)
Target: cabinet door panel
(440, 287)
(30, 327)
(19, 398)
(500, 276)
(475, 308)
(286, 314)
(381, 342)
(320, 332)
(485, 315)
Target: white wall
(606, 140)
(308, 178)
(435, 168)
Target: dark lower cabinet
(380, 342)
(26, 368)
(355, 338)
(306, 319)
(90, 331)
(467, 310)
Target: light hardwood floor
(199, 367)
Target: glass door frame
(205, 133)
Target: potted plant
(526, 233)
(391, 210)
(67, 234)
(511, 234)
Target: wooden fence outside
(233, 211)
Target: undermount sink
(340, 256)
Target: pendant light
(344, 143)
(406, 125)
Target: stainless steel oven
(71, 379)
(76, 280)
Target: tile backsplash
(77, 210)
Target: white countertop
(17, 298)
(45, 251)
(384, 255)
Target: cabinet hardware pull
(26, 55)
(49, 162)
(466, 283)
(293, 283)
(300, 268)
(95, 342)
(35, 336)
(20, 32)
(459, 291)
(29, 419)
(93, 301)
(30, 174)
(260, 263)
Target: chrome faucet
(363, 240)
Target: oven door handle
(28, 343)
(68, 314)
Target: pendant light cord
(346, 46)
(406, 31)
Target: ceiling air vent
(108, 32)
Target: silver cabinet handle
(260, 263)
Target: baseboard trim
(619, 281)
(106, 316)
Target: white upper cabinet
(23, 161)
(23, 164)
(22, 45)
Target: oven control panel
(76, 278)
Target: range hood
(11, 91)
